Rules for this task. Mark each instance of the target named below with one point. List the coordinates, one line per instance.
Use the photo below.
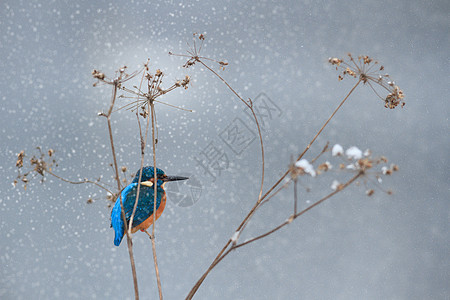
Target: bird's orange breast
(149, 221)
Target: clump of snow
(351, 167)
(306, 166)
(354, 153)
(337, 150)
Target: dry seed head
(144, 113)
(349, 72)
(20, 156)
(363, 68)
(365, 163)
(185, 82)
(366, 59)
(335, 61)
(98, 75)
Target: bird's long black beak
(174, 178)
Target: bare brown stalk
(130, 251)
(155, 260)
(324, 149)
(79, 182)
(108, 118)
(127, 227)
(194, 56)
(296, 215)
(142, 140)
(149, 102)
(117, 83)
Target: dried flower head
(37, 165)
(368, 71)
(20, 156)
(194, 52)
(97, 74)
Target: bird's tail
(117, 223)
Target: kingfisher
(144, 215)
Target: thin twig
(296, 215)
(249, 104)
(130, 251)
(155, 260)
(79, 182)
(116, 169)
(130, 225)
(108, 118)
(141, 165)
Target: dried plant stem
(130, 253)
(108, 118)
(314, 138)
(142, 140)
(78, 182)
(155, 260)
(296, 215)
(219, 257)
(329, 119)
(116, 171)
(249, 104)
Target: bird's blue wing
(145, 205)
(143, 211)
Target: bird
(144, 215)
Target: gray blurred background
(54, 245)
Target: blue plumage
(145, 205)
